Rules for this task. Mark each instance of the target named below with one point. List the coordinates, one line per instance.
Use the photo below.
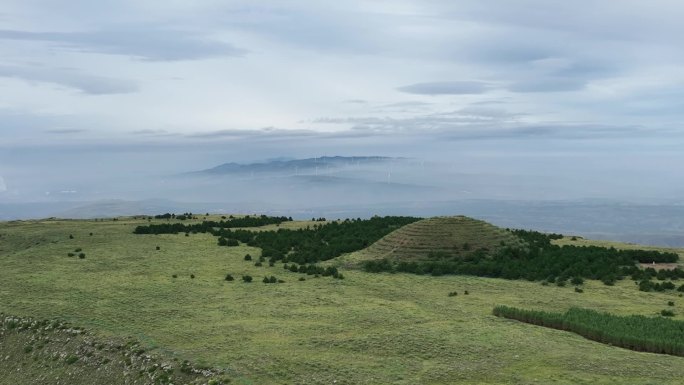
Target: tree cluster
(540, 260)
(640, 333)
(209, 226)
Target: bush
(466, 292)
(578, 290)
(281, 281)
(670, 303)
(266, 280)
(453, 294)
(229, 277)
(71, 236)
(302, 279)
(577, 281)
(561, 283)
(71, 359)
(81, 255)
(71, 254)
(158, 248)
(78, 250)
(258, 264)
(667, 313)
(248, 257)
(247, 278)
(192, 276)
(174, 276)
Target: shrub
(192, 276)
(667, 313)
(466, 292)
(340, 276)
(174, 276)
(573, 238)
(248, 257)
(302, 279)
(71, 359)
(561, 283)
(71, 236)
(158, 248)
(273, 279)
(71, 254)
(670, 303)
(281, 281)
(578, 290)
(78, 250)
(187, 234)
(577, 281)
(271, 263)
(229, 277)
(258, 264)
(266, 280)
(81, 255)
(453, 294)
(247, 278)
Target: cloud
(62, 131)
(147, 43)
(446, 88)
(3, 186)
(71, 78)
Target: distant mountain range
(322, 164)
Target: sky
(103, 90)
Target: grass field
(365, 329)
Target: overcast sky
(584, 82)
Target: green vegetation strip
(636, 332)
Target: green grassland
(365, 329)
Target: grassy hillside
(456, 236)
(365, 329)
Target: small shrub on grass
(266, 280)
(71, 254)
(577, 281)
(229, 277)
(680, 288)
(578, 290)
(466, 292)
(667, 313)
(271, 263)
(453, 294)
(247, 278)
(302, 279)
(78, 250)
(174, 276)
(281, 281)
(258, 264)
(81, 255)
(192, 276)
(670, 303)
(71, 359)
(91, 234)
(561, 283)
(187, 234)
(248, 257)
(71, 236)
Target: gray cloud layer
(71, 78)
(143, 42)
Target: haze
(530, 101)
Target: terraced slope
(441, 237)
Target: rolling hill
(439, 237)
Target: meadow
(366, 329)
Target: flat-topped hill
(441, 237)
